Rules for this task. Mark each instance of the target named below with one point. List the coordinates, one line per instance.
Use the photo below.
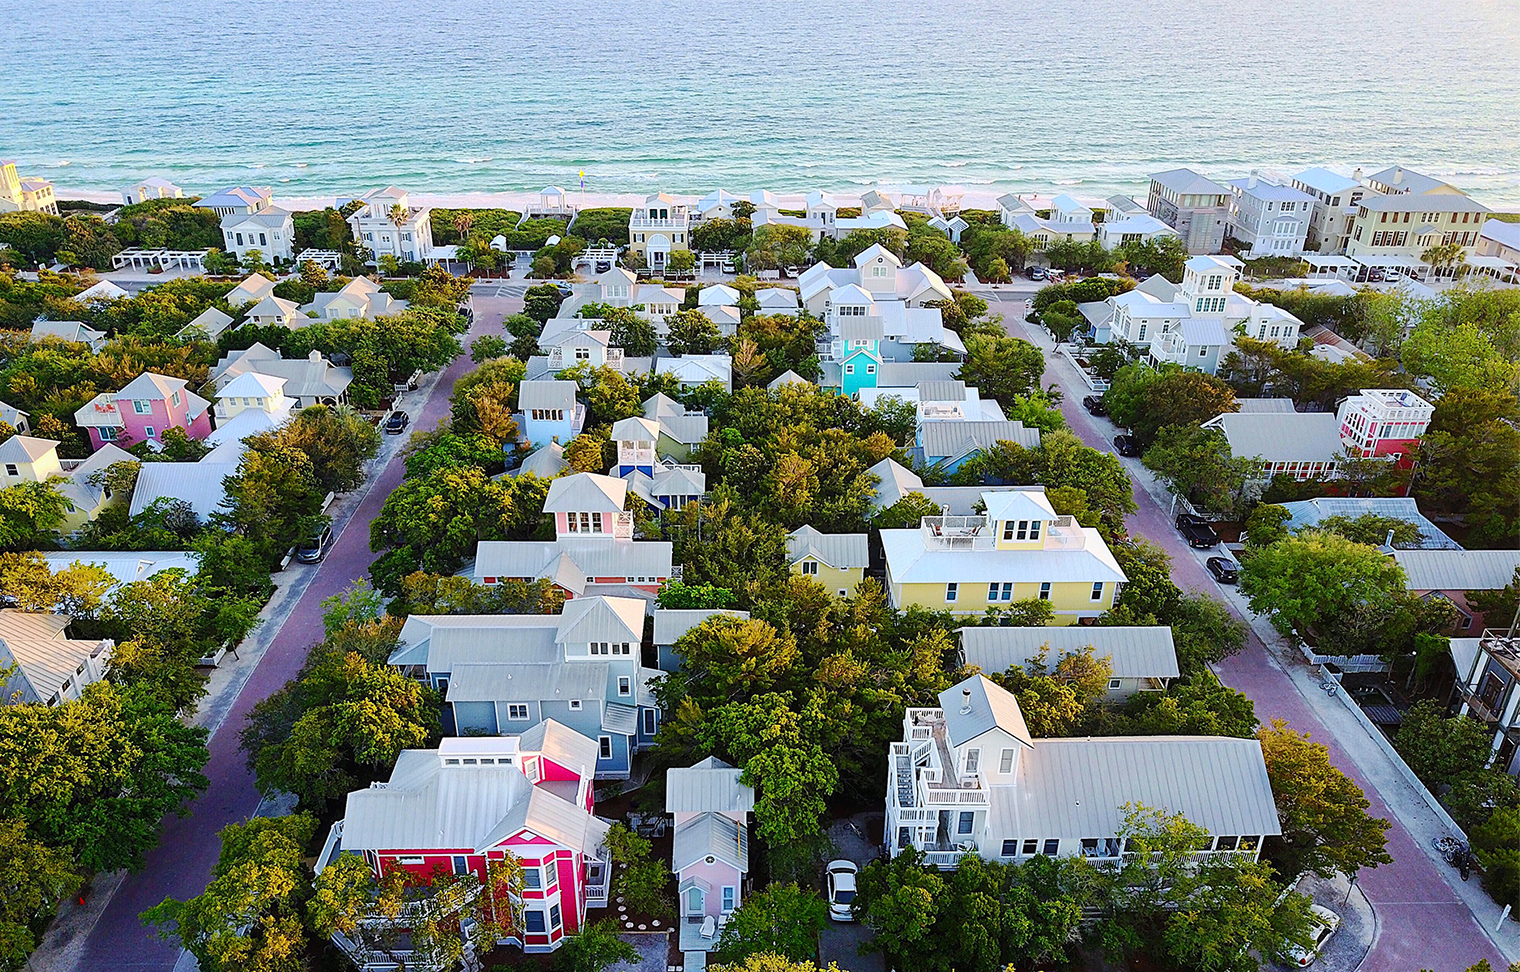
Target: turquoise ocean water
(334, 96)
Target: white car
(1325, 924)
(841, 890)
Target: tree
(541, 302)
(345, 716)
(33, 877)
(593, 948)
(76, 590)
(738, 656)
(1469, 464)
(1326, 827)
(677, 595)
(338, 441)
(774, 246)
(249, 918)
(691, 332)
(1445, 256)
(274, 498)
(642, 879)
(775, 963)
(1058, 701)
(1457, 356)
(97, 774)
(1496, 844)
(436, 287)
(1002, 367)
(30, 515)
(1306, 581)
(1199, 466)
(1200, 706)
(486, 347)
(1441, 749)
(681, 261)
(781, 759)
(718, 235)
(634, 334)
(782, 920)
(313, 273)
(1266, 525)
(1145, 400)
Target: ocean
(452, 96)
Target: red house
(480, 798)
(1384, 422)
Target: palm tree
(1445, 255)
(463, 220)
(398, 216)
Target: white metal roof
(1138, 651)
(910, 561)
(710, 835)
(546, 394)
(1299, 437)
(671, 623)
(710, 785)
(588, 619)
(585, 492)
(951, 440)
(1027, 503)
(975, 706)
(197, 483)
(842, 551)
(1458, 570)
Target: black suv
(1197, 532)
(1094, 405)
(1127, 446)
(1225, 570)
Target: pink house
(477, 799)
(142, 411)
(709, 849)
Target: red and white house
(1384, 422)
(477, 799)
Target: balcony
(1065, 533)
(957, 533)
(636, 455)
(641, 222)
(559, 359)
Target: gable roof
(546, 394)
(710, 835)
(34, 642)
(1310, 513)
(975, 706)
(585, 492)
(212, 321)
(842, 551)
(1187, 182)
(1020, 503)
(1322, 179)
(25, 448)
(251, 384)
(73, 331)
(635, 429)
(1458, 570)
(787, 377)
(198, 483)
(1134, 651)
(151, 386)
(1299, 437)
(251, 288)
(710, 785)
(588, 619)
(951, 440)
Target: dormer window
(878, 271)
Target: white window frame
(604, 747)
(517, 712)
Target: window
(532, 879)
(1113, 685)
(904, 837)
(1034, 529)
(409, 859)
(240, 239)
(992, 591)
(810, 567)
(1031, 847)
(730, 898)
(263, 240)
(1005, 764)
(1249, 843)
(174, 399)
(651, 721)
(148, 431)
(604, 747)
(575, 705)
(1141, 335)
(1226, 843)
(1010, 847)
(625, 685)
(849, 369)
(1023, 530)
(1203, 352)
(533, 921)
(108, 434)
(1008, 590)
(870, 369)
(461, 865)
(551, 875)
(973, 760)
(950, 591)
(11, 469)
(1089, 847)
(517, 712)
(1097, 591)
(1110, 847)
(963, 826)
(1045, 591)
(878, 271)
(1052, 847)
(1008, 526)
(142, 407)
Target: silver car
(842, 890)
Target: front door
(694, 901)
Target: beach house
(386, 222)
(237, 200)
(1456, 575)
(460, 808)
(672, 624)
(969, 779)
(250, 290)
(360, 297)
(710, 806)
(152, 187)
(1271, 219)
(72, 332)
(312, 380)
(25, 194)
(27, 459)
(274, 311)
(1195, 206)
(1141, 658)
(269, 230)
(149, 405)
(549, 411)
(508, 673)
(1487, 672)
(1020, 549)
(657, 227)
(1335, 201)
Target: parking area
(1349, 945)
(841, 941)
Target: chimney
(965, 701)
(1357, 174)
(1398, 175)
(1251, 181)
(314, 356)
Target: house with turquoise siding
(504, 674)
(550, 412)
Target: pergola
(1496, 267)
(144, 259)
(330, 259)
(1410, 266)
(1324, 265)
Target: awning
(620, 718)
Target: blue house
(501, 674)
(636, 439)
(949, 444)
(550, 412)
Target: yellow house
(26, 459)
(25, 194)
(1020, 550)
(838, 561)
(657, 227)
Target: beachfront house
(1335, 201)
(25, 194)
(710, 807)
(658, 226)
(149, 405)
(152, 187)
(1020, 549)
(1270, 218)
(1195, 206)
(1129, 228)
(269, 230)
(968, 778)
(389, 224)
(838, 561)
(508, 673)
(1142, 658)
(237, 200)
(471, 802)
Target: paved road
(1423, 922)
(181, 864)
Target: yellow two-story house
(838, 561)
(1020, 550)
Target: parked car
(315, 547)
(602, 266)
(1325, 924)
(397, 423)
(841, 889)
(1035, 273)
(1094, 405)
(1197, 531)
(1375, 275)
(1127, 446)
(1225, 570)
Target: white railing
(955, 797)
(957, 533)
(677, 222)
(941, 411)
(945, 859)
(330, 847)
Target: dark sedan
(1094, 405)
(1127, 446)
(1225, 571)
